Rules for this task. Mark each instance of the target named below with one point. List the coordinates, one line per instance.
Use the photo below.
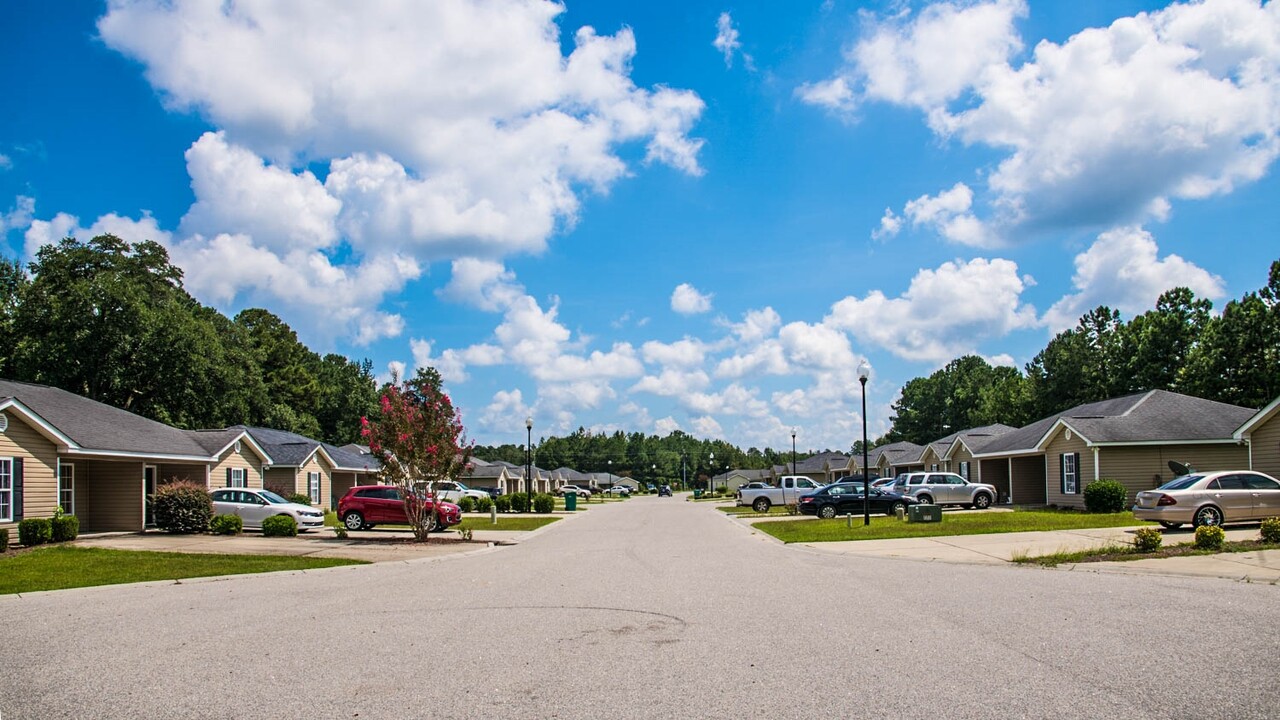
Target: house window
(6, 489)
(964, 469)
(933, 467)
(67, 488)
(1069, 474)
(237, 477)
(313, 487)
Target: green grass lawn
(62, 567)
(978, 523)
(505, 523)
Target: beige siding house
(303, 466)
(1261, 434)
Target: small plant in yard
(467, 504)
(226, 525)
(1271, 530)
(64, 527)
(1147, 539)
(793, 509)
(484, 505)
(543, 504)
(1105, 496)
(503, 503)
(300, 498)
(4, 540)
(35, 531)
(1209, 537)
(340, 531)
(465, 533)
(182, 507)
(519, 502)
(279, 526)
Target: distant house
(823, 467)
(733, 479)
(1130, 439)
(1261, 435)
(957, 452)
(894, 458)
(304, 466)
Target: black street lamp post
(864, 372)
(793, 451)
(528, 460)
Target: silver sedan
(1212, 498)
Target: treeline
(643, 457)
(111, 321)
(1180, 346)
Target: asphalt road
(652, 608)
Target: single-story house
(301, 465)
(957, 455)
(1130, 439)
(1261, 435)
(823, 467)
(734, 479)
(895, 458)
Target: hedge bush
(467, 504)
(543, 503)
(279, 526)
(1271, 530)
(519, 502)
(1210, 537)
(300, 498)
(65, 527)
(4, 540)
(484, 504)
(226, 525)
(35, 531)
(1105, 496)
(503, 503)
(1147, 539)
(182, 507)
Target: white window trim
(313, 491)
(1072, 487)
(68, 508)
(8, 492)
(243, 478)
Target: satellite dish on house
(1180, 469)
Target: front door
(148, 489)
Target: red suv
(367, 505)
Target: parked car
(365, 506)
(791, 487)
(1211, 498)
(885, 484)
(651, 487)
(846, 497)
(575, 489)
(494, 492)
(453, 491)
(664, 490)
(941, 488)
(620, 490)
(254, 506)
(753, 485)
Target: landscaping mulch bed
(1125, 553)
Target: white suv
(940, 488)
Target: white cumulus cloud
(686, 300)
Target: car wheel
(1169, 525)
(353, 521)
(433, 525)
(925, 499)
(982, 501)
(894, 508)
(827, 512)
(761, 505)
(1207, 516)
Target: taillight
(1166, 500)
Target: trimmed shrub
(1147, 539)
(519, 502)
(182, 507)
(226, 525)
(1271, 530)
(503, 503)
(4, 540)
(484, 504)
(1210, 537)
(300, 498)
(543, 503)
(65, 527)
(467, 504)
(35, 531)
(279, 526)
(1105, 496)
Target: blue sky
(655, 215)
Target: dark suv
(365, 506)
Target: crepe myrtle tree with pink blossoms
(418, 436)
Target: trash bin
(697, 494)
(924, 513)
(571, 501)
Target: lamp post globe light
(793, 450)
(864, 372)
(528, 459)
(711, 468)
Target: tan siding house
(1066, 450)
(28, 472)
(1261, 433)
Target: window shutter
(17, 489)
(1075, 463)
(228, 477)
(1062, 473)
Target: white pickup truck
(788, 492)
(451, 491)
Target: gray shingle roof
(895, 452)
(818, 463)
(96, 426)
(288, 449)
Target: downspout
(1010, 463)
(1095, 462)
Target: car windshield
(272, 498)
(1182, 483)
(462, 487)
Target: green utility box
(697, 494)
(924, 513)
(571, 501)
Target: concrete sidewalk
(1001, 548)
